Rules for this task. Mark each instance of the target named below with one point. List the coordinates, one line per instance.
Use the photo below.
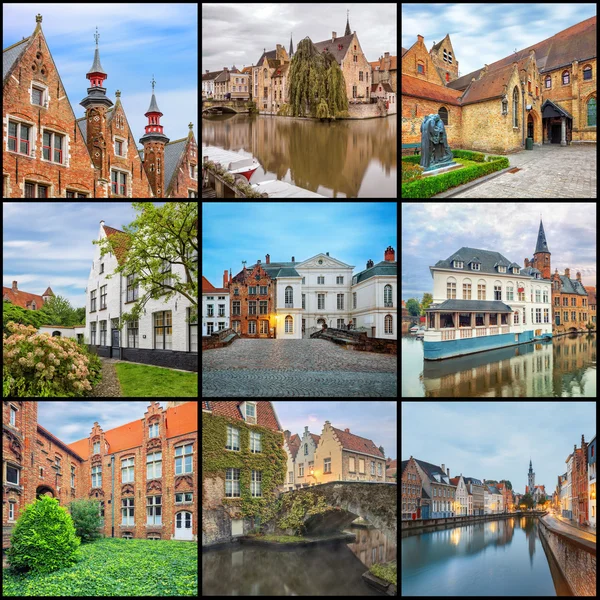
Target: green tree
(43, 539)
(426, 302)
(86, 519)
(542, 502)
(508, 483)
(16, 314)
(58, 311)
(159, 236)
(527, 500)
(80, 316)
(413, 307)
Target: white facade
(376, 300)
(461, 499)
(306, 458)
(290, 473)
(162, 326)
(208, 87)
(63, 331)
(215, 311)
(288, 307)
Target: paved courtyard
(315, 368)
(550, 171)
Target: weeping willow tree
(317, 85)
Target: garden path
(109, 386)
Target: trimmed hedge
(413, 159)
(430, 186)
(469, 155)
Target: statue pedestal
(451, 166)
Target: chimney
(327, 423)
(225, 278)
(419, 38)
(306, 429)
(389, 254)
(333, 36)
(387, 54)
(526, 262)
(347, 430)
(582, 440)
(229, 274)
(102, 223)
(268, 259)
(286, 434)
(258, 262)
(578, 276)
(448, 471)
(443, 467)
(207, 71)
(327, 253)
(293, 259)
(369, 264)
(14, 287)
(568, 273)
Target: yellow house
(343, 456)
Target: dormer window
(458, 264)
(250, 409)
(516, 270)
(476, 266)
(501, 269)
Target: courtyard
(549, 171)
(307, 367)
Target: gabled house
(291, 446)
(461, 500)
(305, 459)
(25, 299)
(436, 483)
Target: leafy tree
(542, 502)
(80, 316)
(159, 235)
(58, 311)
(413, 307)
(322, 110)
(426, 302)
(508, 483)
(86, 519)
(527, 500)
(16, 314)
(44, 538)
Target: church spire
(541, 245)
(291, 47)
(348, 32)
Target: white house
(208, 83)
(291, 446)
(305, 459)
(77, 332)
(162, 336)
(215, 306)
(461, 500)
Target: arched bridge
(224, 106)
(375, 502)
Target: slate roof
(385, 267)
(462, 82)
(11, 54)
(333, 47)
(572, 286)
(153, 106)
(173, 151)
(431, 470)
(96, 66)
(265, 412)
(542, 245)
(488, 259)
(223, 76)
(494, 306)
(269, 54)
(424, 494)
(473, 481)
(530, 271)
(210, 76)
(412, 86)
(357, 443)
(559, 110)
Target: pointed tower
(347, 32)
(531, 479)
(96, 104)
(291, 52)
(48, 294)
(154, 141)
(541, 256)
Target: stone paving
(314, 368)
(549, 171)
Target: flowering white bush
(40, 365)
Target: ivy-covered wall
(217, 510)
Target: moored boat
(414, 329)
(236, 164)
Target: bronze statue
(435, 151)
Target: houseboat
(483, 301)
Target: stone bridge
(375, 502)
(226, 106)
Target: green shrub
(469, 155)
(411, 172)
(413, 159)
(386, 572)
(86, 519)
(44, 538)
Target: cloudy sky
(433, 231)
(484, 33)
(373, 420)
(70, 425)
(495, 440)
(350, 232)
(50, 244)
(236, 34)
(136, 42)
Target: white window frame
(476, 266)
(256, 484)
(183, 499)
(379, 470)
(230, 477)
(301, 470)
(11, 510)
(127, 511)
(458, 264)
(32, 138)
(153, 430)
(152, 504)
(65, 148)
(96, 448)
(372, 467)
(97, 476)
(249, 418)
(183, 457)
(127, 535)
(45, 93)
(127, 470)
(154, 465)
(255, 442)
(289, 324)
(119, 138)
(194, 171)
(233, 435)
(13, 416)
(326, 461)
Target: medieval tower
(442, 56)
(541, 256)
(531, 479)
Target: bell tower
(541, 256)
(154, 141)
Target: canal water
(489, 558)
(563, 367)
(342, 159)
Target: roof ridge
(176, 141)
(17, 43)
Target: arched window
(481, 290)
(451, 288)
(387, 295)
(497, 290)
(289, 296)
(56, 334)
(264, 72)
(466, 293)
(445, 56)
(450, 57)
(587, 72)
(591, 112)
(566, 78)
(443, 112)
(420, 67)
(289, 324)
(515, 107)
(388, 324)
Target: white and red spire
(153, 113)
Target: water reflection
(565, 366)
(372, 545)
(343, 159)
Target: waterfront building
(215, 306)
(570, 303)
(412, 491)
(493, 501)
(390, 469)
(482, 301)
(442, 494)
(530, 478)
(344, 456)
(305, 461)
(291, 446)
(591, 462)
(507, 497)
(475, 487)
(263, 80)
(562, 492)
(568, 510)
(580, 483)
(232, 85)
(461, 502)
(385, 70)
(591, 290)
(208, 83)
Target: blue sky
(136, 41)
(351, 232)
(50, 243)
(484, 33)
(433, 231)
(374, 420)
(70, 425)
(495, 440)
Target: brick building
(144, 473)
(412, 489)
(25, 299)
(579, 490)
(48, 153)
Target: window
(153, 430)
(443, 113)
(340, 301)
(236, 308)
(184, 498)
(233, 438)
(545, 296)
(93, 333)
(515, 107)
(548, 82)
(103, 333)
(127, 511)
(103, 296)
(573, 301)
(256, 484)
(252, 307)
(372, 467)
(587, 72)
(289, 297)
(538, 315)
(252, 327)
(420, 69)
(289, 324)
(388, 324)
(255, 440)
(37, 96)
(537, 295)
(133, 334)
(537, 90)
(529, 86)
(566, 315)
(163, 330)
(353, 300)
(154, 510)
(374, 556)
(13, 416)
(119, 183)
(458, 264)
(352, 464)
(546, 316)
(118, 147)
(476, 266)
(591, 112)
(301, 470)
(34, 190)
(132, 288)
(18, 137)
(449, 57)
(127, 470)
(321, 301)
(566, 78)
(481, 291)
(379, 469)
(183, 459)
(327, 465)
(92, 300)
(12, 474)
(361, 465)
(445, 56)
(321, 280)
(510, 293)
(154, 465)
(166, 271)
(451, 289)
(97, 476)
(573, 317)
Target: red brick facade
(579, 492)
(46, 466)
(182, 184)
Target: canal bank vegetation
(282, 539)
(240, 185)
(387, 572)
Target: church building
(546, 91)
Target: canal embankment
(383, 578)
(574, 554)
(291, 542)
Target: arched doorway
(44, 490)
(56, 334)
(183, 525)
(530, 126)
(321, 323)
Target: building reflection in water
(564, 366)
(339, 159)
(372, 545)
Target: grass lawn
(147, 381)
(117, 567)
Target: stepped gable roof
(380, 63)
(350, 441)
(494, 306)
(492, 85)
(488, 259)
(11, 54)
(173, 153)
(210, 76)
(572, 286)
(22, 299)
(412, 86)
(123, 245)
(294, 445)
(265, 412)
(403, 466)
(435, 473)
(385, 268)
(463, 82)
(334, 47)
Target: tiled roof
(385, 267)
(121, 249)
(247, 70)
(208, 287)
(494, 306)
(381, 64)
(491, 85)
(412, 86)
(294, 445)
(173, 152)
(572, 286)
(22, 299)
(350, 441)
(334, 47)
(48, 292)
(454, 480)
(210, 76)
(315, 438)
(462, 82)
(182, 419)
(264, 409)
(11, 54)
(281, 71)
(223, 76)
(591, 295)
(270, 54)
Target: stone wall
(364, 111)
(414, 110)
(357, 340)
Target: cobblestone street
(314, 368)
